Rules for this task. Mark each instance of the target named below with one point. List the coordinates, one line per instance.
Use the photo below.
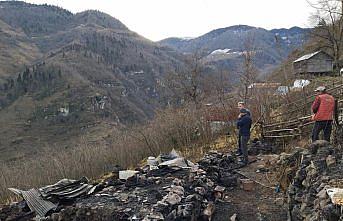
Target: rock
(200, 190)
(330, 212)
(233, 217)
(154, 216)
(193, 197)
(55, 216)
(184, 210)
(172, 215)
(318, 144)
(209, 210)
(322, 194)
(161, 207)
(330, 160)
(279, 201)
(247, 185)
(219, 189)
(323, 203)
(179, 190)
(317, 172)
(172, 198)
(228, 180)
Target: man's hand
(312, 117)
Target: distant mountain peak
(240, 27)
(22, 4)
(225, 45)
(293, 30)
(99, 18)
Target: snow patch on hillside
(221, 51)
(186, 38)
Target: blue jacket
(244, 125)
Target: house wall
(300, 67)
(320, 63)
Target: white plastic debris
(300, 83)
(125, 174)
(152, 163)
(178, 162)
(336, 195)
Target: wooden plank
(280, 123)
(281, 130)
(306, 124)
(282, 136)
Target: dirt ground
(262, 203)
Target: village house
(317, 63)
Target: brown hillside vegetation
(184, 129)
(65, 76)
(17, 50)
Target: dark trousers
(244, 147)
(325, 126)
(239, 144)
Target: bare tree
(279, 50)
(329, 27)
(187, 84)
(217, 87)
(249, 71)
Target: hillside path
(262, 203)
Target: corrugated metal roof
(306, 56)
(65, 189)
(35, 201)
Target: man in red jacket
(323, 108)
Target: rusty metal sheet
(35, 201)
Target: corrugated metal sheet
(37, 203)
(66, 189)
(307, 56)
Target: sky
(159, 19)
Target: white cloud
(158, 19)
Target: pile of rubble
(257, 147)
(167, 188)
(315, 192)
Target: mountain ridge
(274, 45)
(66, 77)
(87, 71)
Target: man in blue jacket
(241, 105)
(244, 124)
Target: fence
(294, 121)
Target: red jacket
(323, 107)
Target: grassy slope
(110, 55)
(16, 50)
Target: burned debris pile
(257, 147)
(316, 191)
(221, 168)
(168, 188)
